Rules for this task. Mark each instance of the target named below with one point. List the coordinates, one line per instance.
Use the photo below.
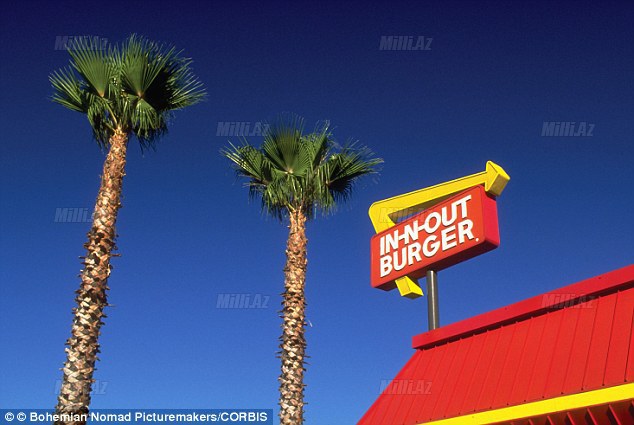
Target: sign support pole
(433, 316)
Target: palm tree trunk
(293, 341)
(83, 345)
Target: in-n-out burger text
(452, 234)
(449, 232)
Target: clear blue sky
(494, 74)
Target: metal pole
(433, 317)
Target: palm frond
(68, 90)
(94, 64)
(342, 169)
(98, 114)
(317, 145)
(184, 88)
(249, 162)
(155, 81)
(283, 144)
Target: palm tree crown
(131, 88)
(293, 171)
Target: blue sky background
(495, 72)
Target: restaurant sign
(452, 231)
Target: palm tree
(123, 91)
(296, 175)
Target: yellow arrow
(386, 213)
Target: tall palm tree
(124, 91)
(296, 175)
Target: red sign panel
(448, 233)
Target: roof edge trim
(560, 298)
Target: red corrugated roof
(574, 339)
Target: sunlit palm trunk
(293, 341)
(83, 346)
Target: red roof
(575, 339)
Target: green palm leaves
(296, 171)
(132, 87)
